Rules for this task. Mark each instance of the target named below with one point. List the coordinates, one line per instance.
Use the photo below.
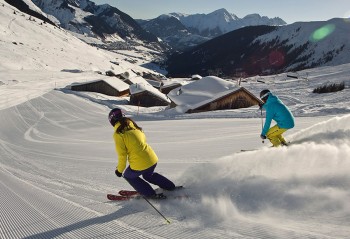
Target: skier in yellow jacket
(132, 148)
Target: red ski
(114, 197)
(129, 193)
(125, 195)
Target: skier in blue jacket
(277, 111)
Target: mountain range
(101, 22)
(263, 50)
(218, 43)
(182, 31)
(176, 30)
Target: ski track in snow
(52, 189)
(48, 215)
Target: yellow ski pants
(275, 136)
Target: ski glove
(263, 136)
(117, 173)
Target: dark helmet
(264, 94)
(115, 115)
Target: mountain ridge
(102, 22)
(202, 27)
(262, 50)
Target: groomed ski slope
(57, 164)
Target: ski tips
(167, 221)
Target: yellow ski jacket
(131, 146)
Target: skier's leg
(274, 135)
(158, 179)
(140, 185)
(282, 139)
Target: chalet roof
(141, 87)
(196, 76)
(112, 81)
(203, 90)
(171, 84)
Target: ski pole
(262, 122)
(166, 219)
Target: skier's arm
(269, 116)
(121, 151)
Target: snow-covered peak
(221, 21)
(252, 16)
(256, 19)
(179, 15)
(165, 16)
(224, 13)
(100, 21)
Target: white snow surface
(57, 155)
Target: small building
(240, 98)
(196, 77)
(145, 95)
(108, 86)
(152, 76)
(130, 78)
(166, 88)
(155, 84)
(211, 93)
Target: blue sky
(289, 10)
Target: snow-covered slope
(102, 25)
(323, 43)
(48, 47)
(32, 51)
(57, 163)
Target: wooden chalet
(147, 99)
(146, 95)
(240, 98)
(211, 93)
(166, 88)
(110, 86)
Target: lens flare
(322, 32)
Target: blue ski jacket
(277, 111)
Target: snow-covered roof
(171, 84)
(134, 78)
(144, 86)
(116, 83)
(112, 81)
(199, 92)
(196, 76)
